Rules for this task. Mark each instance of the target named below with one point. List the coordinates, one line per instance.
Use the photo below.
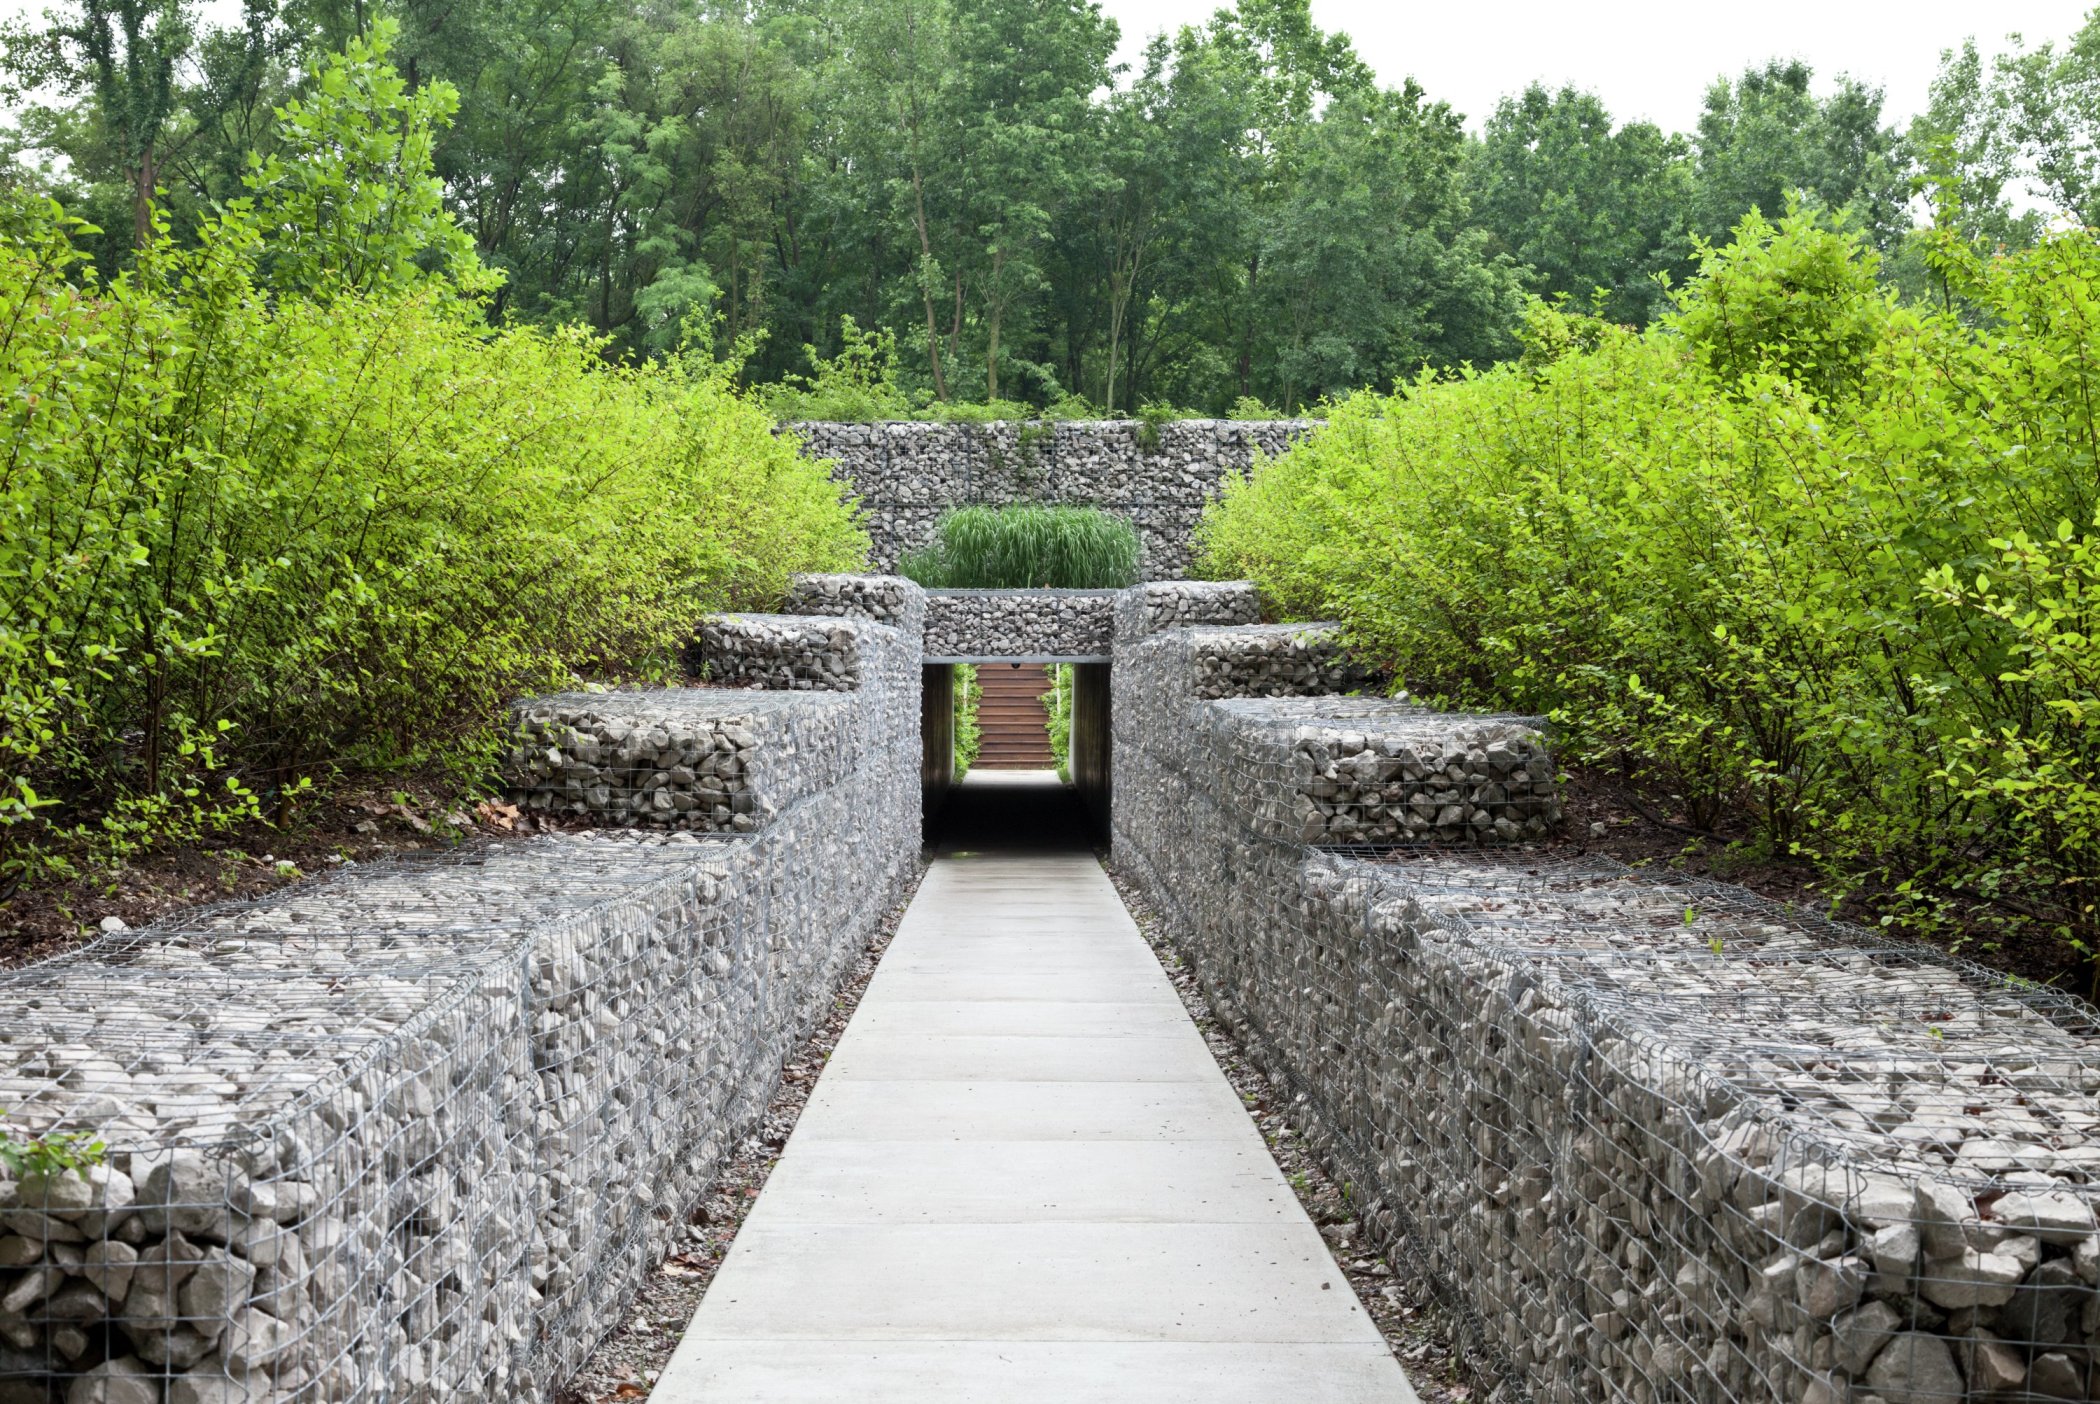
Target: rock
(1894, 1250)
(1973, 1279)
(120, 1381)
(187, 1194)
(1914, 1368)
(175, 1347)
(110, 924)
(109, 1265)
(212, 1381)
(1826, 1288)
(1858, 1336)
(33, 1286)
(17, 1251)
(1940, 1211)
(255, 1339)
(2045, 1310)
(2055, 1375)
(218, 1288)
(2051, 1217)
(1995, 1366)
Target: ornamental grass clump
(1027, 548)
(1816, 567)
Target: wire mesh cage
(1656, 1138)
(413, 1130)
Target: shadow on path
(1012, 811)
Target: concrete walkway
(1023, 1179)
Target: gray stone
(1858, 1336)
(1914, 1368)
(1973, 1279)
(120, 1381)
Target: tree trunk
(142, 202)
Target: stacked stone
(886, 599)
(1661, 1140)
(963, 625)
(1163, 605)
(783, 652)
(416, 1130)
(1323, 771)
(907, 475)
(702, 759)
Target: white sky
(1648, 59)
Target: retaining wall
(906, 474)
(1659, 1140)
(414, 1131)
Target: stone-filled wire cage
(413, 1131)
(1668, 1141)
(366, 1139)
(1654, 1139)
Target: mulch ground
(243, 863)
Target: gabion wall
(907, 475)
(1663, 1140)
(413, 1131)
(1033, 625)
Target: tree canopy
(1247, 214)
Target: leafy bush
(857, 386)
(1802, 555)
(266, 525)
(968, 734)
(1057, 706)
(1027, 547)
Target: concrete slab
(1014, 1111)
(1022, 1182)
(1042, 1282)
(1022, 1179)
(998, 1058)
(1023, 1018)
(1028, 1372)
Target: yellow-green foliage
(251, 540)
(1802, 553)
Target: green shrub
(968, 734)
(1057, 706)
(1027, 547)
(1801, 555)
(857, 386)
(258, 540)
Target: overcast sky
(1646, 58)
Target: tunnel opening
(1015, 800)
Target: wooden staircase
(1011, 718)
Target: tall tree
(1588, 207)
(1766, 136)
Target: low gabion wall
(907, 475)
(1661, 1140)
(1036, 625)
(414, 1131)
(886, 599)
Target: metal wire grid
(431, 1118)
(1650, 1169)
